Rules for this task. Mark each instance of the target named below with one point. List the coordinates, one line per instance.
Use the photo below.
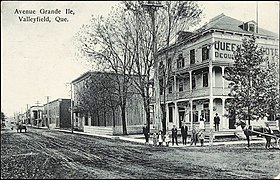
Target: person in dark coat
(174, 135)
(217, 122)
(184, 132)
(146, 133)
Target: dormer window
(252, 27)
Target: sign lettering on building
(224, 50)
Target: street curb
(137, 141)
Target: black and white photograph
(140, 90)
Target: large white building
(198, 61)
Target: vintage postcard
(140, 89)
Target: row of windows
(181, 60)
(205, 113)
(181, 84)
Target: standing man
(217, 122)
(184, 132)
(174, 135)
(146, 133)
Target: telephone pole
(48, 114)
(152, 7)
(38, 113)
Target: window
(205, 112)
(169, 65)
(205, 53)
(170, 114)
(169, 88)
(205, 80)
(193, 82)
(160, 64)
(252, 27)
(161, 87)
(180, 61)
(86, 120)
(194, 114)
(192, 56)
(181, 85)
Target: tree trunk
(124, 120)
(114, 118)
(105, 119)
(147, 111)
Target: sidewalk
(139, 138)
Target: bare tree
(106, 42)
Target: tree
(173, 17)
(3, 117)
(99, 96)
(253, 84)
(107, 43)
(123, 43)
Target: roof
(223, 22)
(88, 73)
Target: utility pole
(71, 108)
(152, 8)
(48, 113)
(26, 114)
(38, 113)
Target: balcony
(219, 91)
(201, 92)
(183, 95)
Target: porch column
(211, 82)
(211, 95)
(190, 72)
(89, 119)
(176, 114)
(223, 118)
(223, 80)
(191, 113)
(175, 88)
(167, 116)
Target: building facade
(105, 120)
(198, 61)
(57, 113)
(36, 116)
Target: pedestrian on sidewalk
(146, 133)
(201, 137)
(201, 122)
(184, 133)
(217, 122)
(174, 135)
(154, 139)
(160, 138)
(194, 137)
(167, 138)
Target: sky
(38, 59)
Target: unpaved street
(51, 154)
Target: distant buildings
(57, 113)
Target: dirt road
(51, 154)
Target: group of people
(197, 135)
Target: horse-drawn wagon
(20, 127)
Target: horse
(20, 127)
(247, 129)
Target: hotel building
(198, 61)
